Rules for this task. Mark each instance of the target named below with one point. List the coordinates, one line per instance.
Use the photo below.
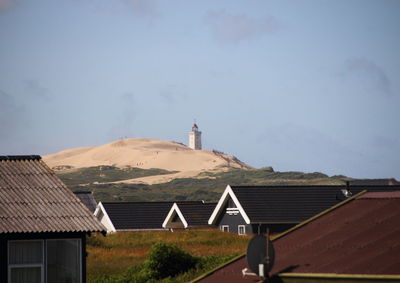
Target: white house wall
(104, 219)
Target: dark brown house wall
(3, 260)
(4, 238)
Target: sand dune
(159, 179)
(146, 153)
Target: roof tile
(34, 199)
(293, 204)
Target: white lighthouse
(195, 137)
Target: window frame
(100, 215)
(225, 226)
(43, 264)
(244, 229)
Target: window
(100, 215)
(176, 218)
(41, 261)
(25, 261)
(63, 261)
(241, 229)
(224, 228)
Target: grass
(123, 252)
(105, 173)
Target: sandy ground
(159, 179)
(146, 153)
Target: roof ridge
(171, 201)
(127, 202)
(311, 186)
(20, 157)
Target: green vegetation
(100, 174)
(167, 260)
(208, 187)
(141, 256)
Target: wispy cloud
(302, 148)
(233, 28)
(6, 4)
(35, 88)
(11, 116)
(172, 94)
(386, 142)
(146, 8)
(368, 75)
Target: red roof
(194, 127)
(359, 237)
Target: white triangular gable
(221, 203)
(106, 221)
(170, 216)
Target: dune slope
(145, 153)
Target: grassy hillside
(207, 187)
(100, 174)
(121, 254)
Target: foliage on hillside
(100, 174)
(207, 187)
(124, 256)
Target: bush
(166, 260)
(95, 240)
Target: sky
(301, 85)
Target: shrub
(95, 240)
(166, 260)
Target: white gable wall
(228, 193)
(103, 217)
(174, 210)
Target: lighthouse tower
(195, 137)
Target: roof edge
(170, 213)
(222, 201)
(88, 231)
(20, 157)
(322, 213)
(342, 276)
(217, 268)
(101, 208)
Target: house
(133, 216)
(43, 225)
(188, 215)
(251, 209)
(374, 182)
(87, 199)
(355, 241)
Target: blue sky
(297, 85)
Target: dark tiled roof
(87, 199)
(137, 215)
(360, 237)
(196, 214)
(34, 199)
(292, 204)
(374, 182)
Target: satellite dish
(260, 251)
